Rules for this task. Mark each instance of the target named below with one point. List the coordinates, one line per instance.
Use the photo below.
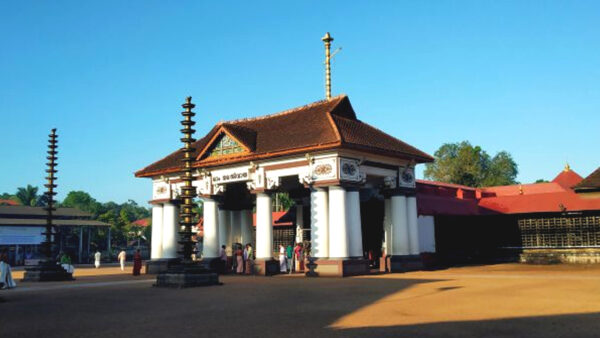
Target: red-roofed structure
(8, 202)
(567, 178)
(144, 222)
(538, 220)
(276, 216)
(437, 198)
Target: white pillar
(224, 229)
(338, 223)
(387, 226)
(170, 231)
(400, 239)
(264, 227)
(299, 222)
(319, 225)
(211, 243)
(354, 223)
(246, 227)
(413, 225)
(157, 226)
(236, 228)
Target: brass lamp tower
(48, 269)
(48, 244)
(188, 192)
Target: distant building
(558, 221)
(22, 228)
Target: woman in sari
(137, 263)
(239, 256)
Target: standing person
(289, 253)
(223, 259)
(97, 257)
(298, 255)
(239, 256)
(137, 262)
(245, 257)
(6, 280)
(282, 259)
(249, 259)
(65, 262)
(122, 257)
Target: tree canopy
(28, 196)
(462, 163)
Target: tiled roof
(591, 182)
(144, 222)
(567, 179)
(321, 125)
(276, 218)
(435, 198)
(548, 202)
(8, 202)
(524, 189)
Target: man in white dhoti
(97, 257)
(122, 256)
(6, 279)
(282, 259)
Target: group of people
(291, 259)
(122, 257)
(243, 259)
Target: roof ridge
(287, 111)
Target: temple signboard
(229, 176)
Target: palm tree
(27, 196)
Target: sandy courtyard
(493, 301)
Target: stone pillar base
(341, 267)
(266, 267)
(402, 263)
(185, 275)
(156, 266)
(46, 272)
(210, 263)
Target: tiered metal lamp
(186, 272)
(49, 269)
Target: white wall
(426, 233)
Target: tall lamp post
(48, 269)
(186, 272)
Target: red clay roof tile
(320, 125)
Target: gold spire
(567, 167)
(327, 40)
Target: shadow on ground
(581, 325)
(244, 306)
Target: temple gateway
(353, 187)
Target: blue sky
(520, 76)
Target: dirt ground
(504, 300)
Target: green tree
(541, 180)
(27, 196)
(82, 201)
(462, 163)
(284, 202)
(6, 196)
